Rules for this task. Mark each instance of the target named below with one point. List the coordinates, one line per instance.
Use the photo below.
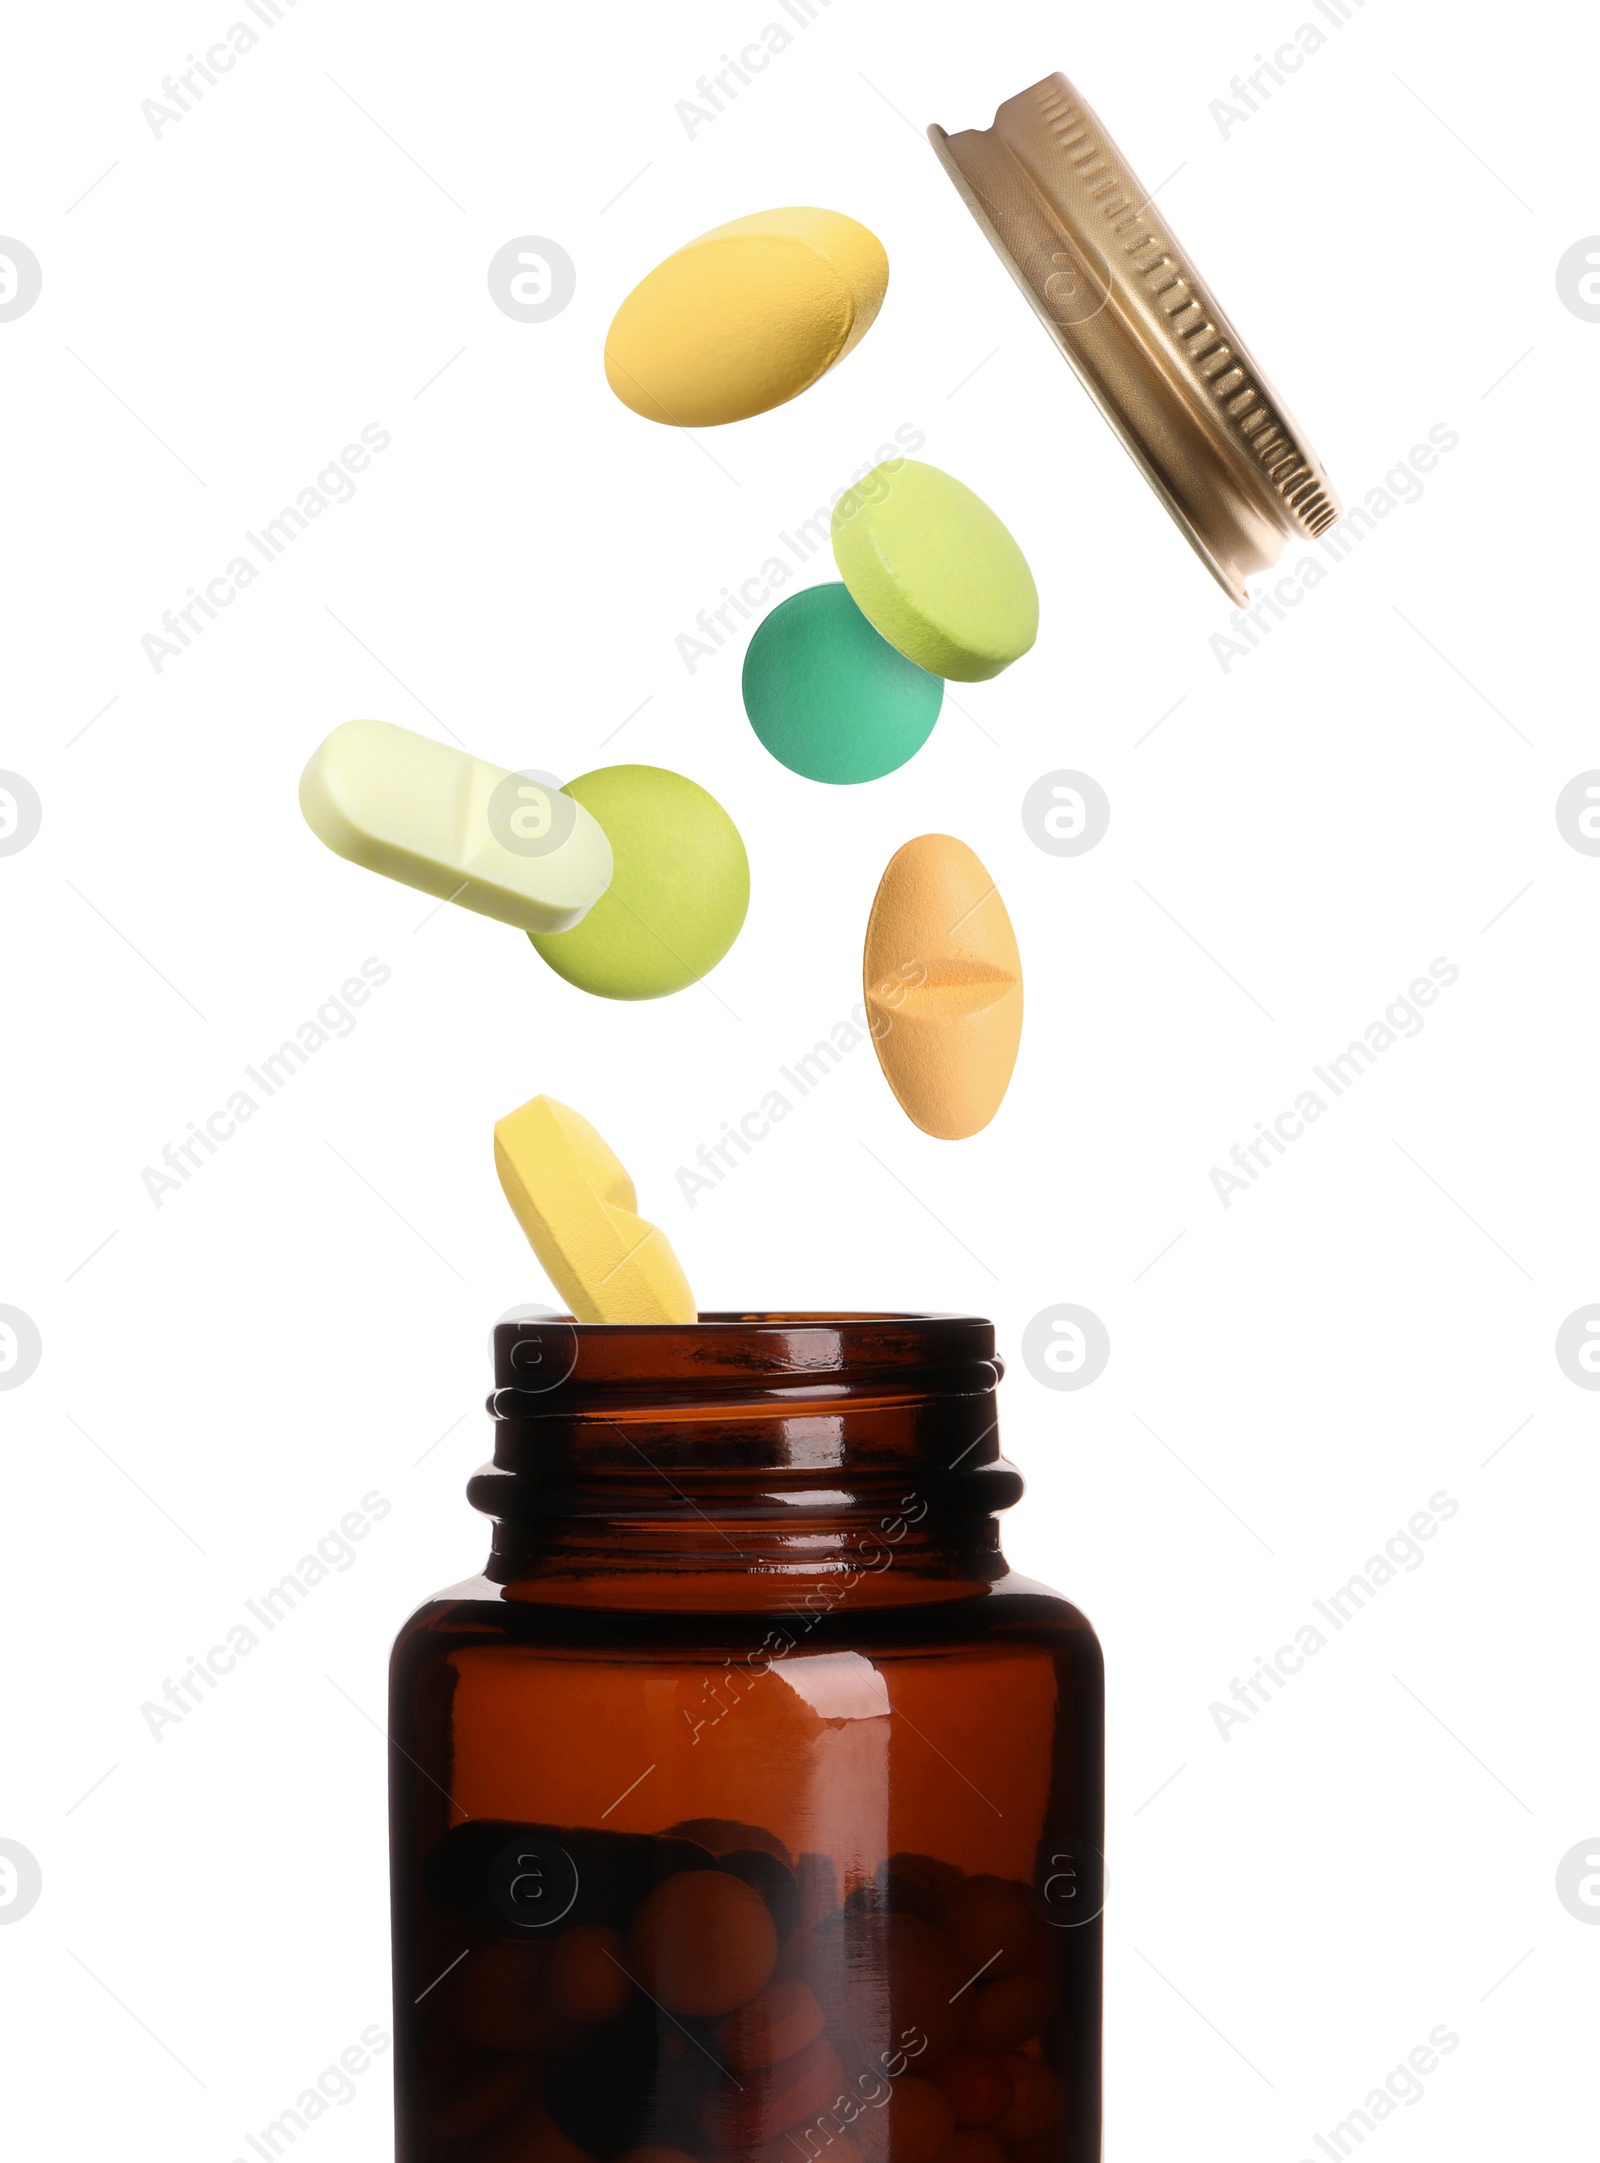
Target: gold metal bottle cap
(1152, 348)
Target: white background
(224, 1377)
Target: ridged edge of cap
(1209, 348)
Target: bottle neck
(747, 1460)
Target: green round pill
(680, 885)
(931, 567)
(831, 699)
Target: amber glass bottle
(747, 1809)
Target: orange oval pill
(989, 1922)
(1038, 2099)
(943, 983)
(585, 1976)
(977, 2087)
(1008, 2012)
(702, 1942)
(776, 2023)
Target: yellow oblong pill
(746, 317)
(943, 984)
(577, 1206)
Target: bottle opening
(745, 1432)
(537, 1355)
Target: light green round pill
(935, 572)
(680, 886)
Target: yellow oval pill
(577, 1205)
(746, 317)
(943, 984)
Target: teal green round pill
(680, 886)
(829, 697)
